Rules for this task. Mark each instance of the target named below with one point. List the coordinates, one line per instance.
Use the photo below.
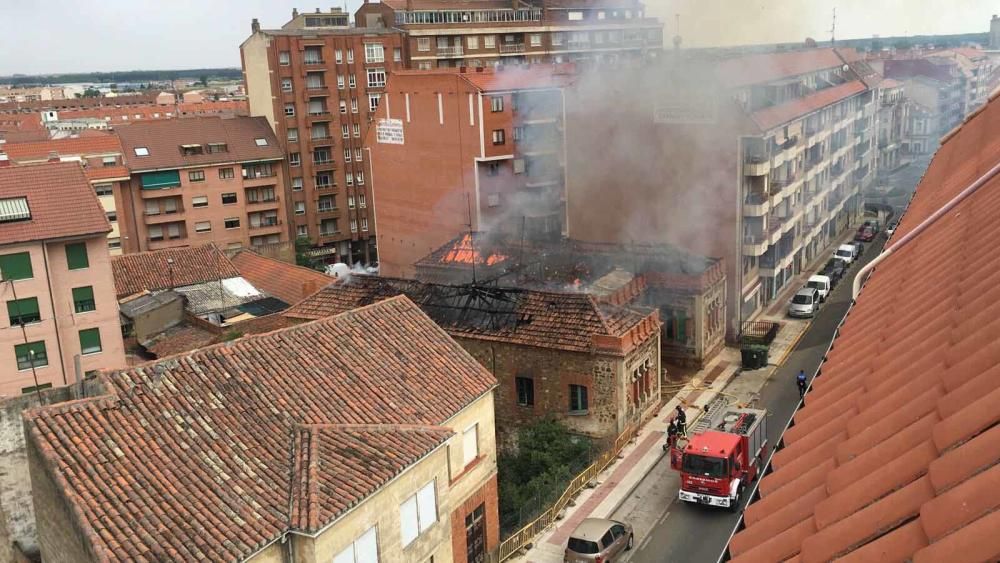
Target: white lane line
(645, 542)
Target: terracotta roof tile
(287, 282)
(780, 114)
(188, 458)
(925, 382)
(81, 146)
(151, 271)
(60, 200)
(768, 67)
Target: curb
(791, 347)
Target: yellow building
(364, 437)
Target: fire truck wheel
(735, 505)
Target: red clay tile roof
(534, 77)
(178, 340)
(778, 115)
(896, 453)
(164, 138)
(61, 202)
(562, 321)
(768, 67)
(335, 466)
(95, 173)
(287, 282)
(80, 146)
(150, 271)
(188, 458)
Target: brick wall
(486, 495)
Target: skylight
(141, 151)
(261, 142)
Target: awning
(160, 180)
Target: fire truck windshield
(704, 466)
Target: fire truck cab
(724, 453)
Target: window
(364, 223)
(343, 106)
(262, 142)
(293, 135)
(294, 159)
(360, 176)
(357, 155)
(376, 77)
(40, 387)
(328, 227)
(423, 43)
(373, 100)
(354, 105)
(319, 131)
(575, 16)
(322, 155)
(114, 243)
(350, 178)
(350, 55)
(498, 138)
(301, 231)
(286, 84)
(112, 216)
(518, 133)
(339, 56)
(598, 37)
(141, 151)
(300, 208)
(199, 201)
(535, 39)
(525, 387)
(324, 180)
(490, 41)
(228, 198)
(600, 15)
(345, 131)
(354, 225)
(347, 155)
(425, 65)
(192, 150)
(397, 55)
(196, 176)
(289, 111)
(31, 354)
(557, 38)
(226, 174)
(417, 514)
(83, 299)
(361, 200)
(470, 445)
(90, 341)
(103, 189)
(327, 203)
(496, 103)
(76, 256)
(352, 81)
(374, 53)
(261, 195)
(284, 58)
(340, 81)
(350, 201)
(23, 311)
(232, 223)
(15, 266)
(362, 550)
(203, 226)
(578, 399)
(109, 161)
(492, 168)
(297, 184)
(472, 41)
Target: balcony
(317, 116)
(756, 165)
(511, 48)
(164, 217)
(576, 44)
(315, 91)
(327, 210)
(267, 224)
(328, 164)
(260, 181)
(263, 203)
(756, 205)
(754, 244)
(311, 61)
(453, 51)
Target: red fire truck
(724, 453)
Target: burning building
(567, 355)
(689, 291)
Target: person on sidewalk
(671, 435)
(681, 419)
(800, 380)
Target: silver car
(597, 540)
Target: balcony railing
(267, 224)
(327, 209)
(313, 61)
(511, 48)
(454, 51)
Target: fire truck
(724, 452)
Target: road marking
(645, 542)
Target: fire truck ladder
(713, 413)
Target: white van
(847, 253)
(822, 284)
(805, 303)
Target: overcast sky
(105, 35)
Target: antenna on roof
(472, 238)
(833, 29)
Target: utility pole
(833, 29)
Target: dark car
(834, 270)
(866, 234)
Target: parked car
(847, 253)
(834, 269)
(866, 234)
(859, 249)
(891, 228)
(822, 284)
(597, 540)
(805, 303)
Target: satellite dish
(846, 68)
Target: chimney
(295, 13)
(53, 156)
(3, 159)
(255, 26)
(317, 11)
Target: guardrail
(523, 537)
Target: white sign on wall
(389, 131)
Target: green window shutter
(76, 255)
(161, 180)
(90, 341)
(83, 299)
(25, 309)
(681, 326)
(16, 266)
(23, 353)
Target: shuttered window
(23, 311)
(76, 256)
(31, 352)
(90, 341)
(83, 299)
(16, 266)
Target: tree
(203, 80)
(91, 92)
(302, 246)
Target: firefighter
(800, 380)
(681, 419)
(671, 435)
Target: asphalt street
(675, 531)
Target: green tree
(203, 79)
(302, 246)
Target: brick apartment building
(103, 164)
(556, 355)
(57, 283)
(203, 179)
(497, 143)
(893, 126)
(317, 86)
(236, 450)
(443, 34)
(759, 159)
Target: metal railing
(454, 51)
(523, 537)
(511, 48)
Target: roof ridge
(374, 427)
